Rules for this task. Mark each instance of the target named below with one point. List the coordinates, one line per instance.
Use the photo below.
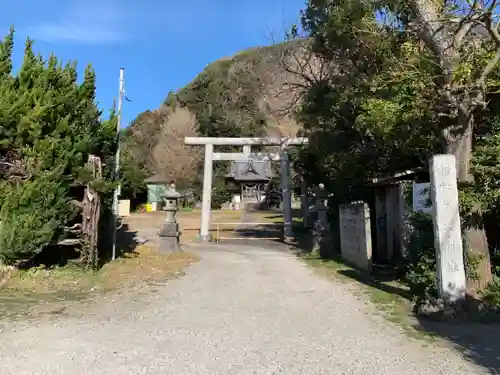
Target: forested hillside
(253, 93)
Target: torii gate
(211, 156)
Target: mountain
(253, 93)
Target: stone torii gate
(211, 156)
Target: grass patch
(188, 209)
(37, 289)
(390, 298)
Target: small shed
(391, 209)
(157, 186)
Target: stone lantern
(169, 233)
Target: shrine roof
(156, 179)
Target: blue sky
(162, 44)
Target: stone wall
(355, 235)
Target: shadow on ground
(379, 280)
(126, 242)
(479, 343)
(267, 236)
(271, 233)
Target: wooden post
(90, 217)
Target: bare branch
(465, 24)
(303, 68)
(173, 159)
(432, 29)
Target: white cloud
(84, 34)
(89, 22)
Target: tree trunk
(91, 214)
(473, 232)
(436, 30)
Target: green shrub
(421, 275)
(31, 216)
(49, 125)
(492, 292)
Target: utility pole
(116, 193)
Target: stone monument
(321, 226)
(355, 235)
(169, 233)
(447, 231)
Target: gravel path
(240, 310)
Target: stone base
(169, 230)
(205, 238)
(169, 238)
(467, 309)
(170, 245)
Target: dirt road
(240, 310)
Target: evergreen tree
(49, 124)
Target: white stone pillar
(207, 194)
(447, 231)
